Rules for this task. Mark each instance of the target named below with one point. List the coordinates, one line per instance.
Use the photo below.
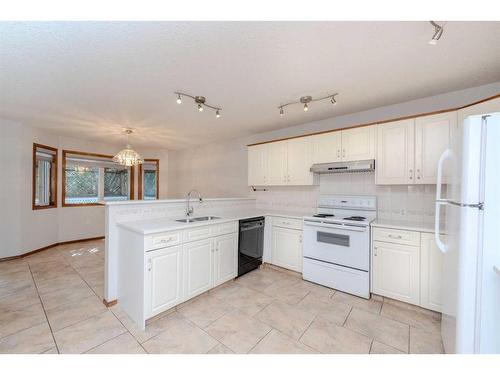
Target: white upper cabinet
(277, 163)
(358, 143)
(345, 145)
(327, 147)
(395, 153)
(257, 165)
(432, 137)
(299, 161)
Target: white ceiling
(90, 79)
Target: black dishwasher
(250, 244)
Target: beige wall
(21, 228)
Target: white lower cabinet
(407, 266)
(174, 274)
(226, 258)
(163, 279)
(287, 248)
(396, 271)
(198, 267)
(431, 266)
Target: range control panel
(362, 202)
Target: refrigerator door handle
(440, 201)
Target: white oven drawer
(285, 222)
(341, 245)
(159, 241)
(404, 237)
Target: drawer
(225, 228)
(405, 237)
(158, 241)
(198, 233)
(287, 223)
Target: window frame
(140, 178)
(33, 185)
(63, 178)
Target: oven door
(345, 245)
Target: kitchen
(164, 211)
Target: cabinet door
(163, 280)
(432, 137)
(276, 163)
(395, 153)
(431, 265)
(299, 161)
(396, 271)
(226, 258)
(198, 267)
(358, 143)
(327, 147)
(287, 248)
(257, 165)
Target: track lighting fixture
(438, 32)
(305, 100)
(200, 101)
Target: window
(149, 183)
(44, 177)
(92, 178)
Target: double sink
(196, 219)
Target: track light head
(333, 101)
(281, 112)
(306, 107)
(179, 99)
(217, 114)
(438, 32)
(200, 108)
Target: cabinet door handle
(396, 237)
(343, 152)
(150, 265)
(375, 251)
(338, 153)
(418, 174)
(411, 174)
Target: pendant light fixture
(306, 100)
(128, 157)
(201, 102)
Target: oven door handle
(334, 226)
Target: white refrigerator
(468, 233)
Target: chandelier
(128, 157)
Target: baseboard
(110, 303)
(48, 247)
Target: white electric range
(336, 249)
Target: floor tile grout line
(347, 317)
(131, 334)
(44, 311)
(262, 338)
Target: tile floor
(51, 302)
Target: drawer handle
(396, 237)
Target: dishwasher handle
(244, 228)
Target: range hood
(345, 167)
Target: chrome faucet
(190, 210)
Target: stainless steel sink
(201, 218)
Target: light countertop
(404, 224)
(151, 226)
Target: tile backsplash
(405, 202)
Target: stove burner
(355, 218)
(323, 215)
